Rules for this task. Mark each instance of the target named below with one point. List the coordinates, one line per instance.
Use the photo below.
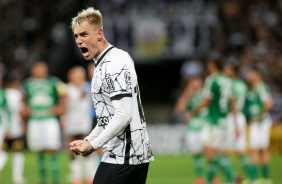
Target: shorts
(233, 143)
(78, 127)
(44, 135)
(16, 144)
(121, 174)
(259, 134)
(212, 136)
(195, 144)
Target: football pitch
(166, 169)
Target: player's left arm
(9, 117)
(265, 96)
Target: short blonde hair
(91, 15)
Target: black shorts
(121, 174)
(16, 144)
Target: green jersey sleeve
(263, 92)
(207, 89)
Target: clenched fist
(81, 147)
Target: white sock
(76, 169)
(3, 159)
(91, 165)
(18, 167)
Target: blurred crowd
(248, 31)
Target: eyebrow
(83, 32)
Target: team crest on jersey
(110, 83)
(95, 84)
(127, 77)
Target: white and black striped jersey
(114, 79)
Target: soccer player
(43, 105)
(191, 98)
(259, 103)
(4, 123)
(238, 142)
(217, 97)
(78, 122)
(14, 139)
(121, 128)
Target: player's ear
(100, 34)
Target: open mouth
(84, 51)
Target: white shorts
(233, 143)
(259, 134)
(44, 135)
(195, 144)
(212, 136)
(82, 126)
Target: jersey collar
(102, 55)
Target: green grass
(164, 170)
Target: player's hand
(73, 145)
(85, 148)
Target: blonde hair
(91, 15)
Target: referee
(121, 128)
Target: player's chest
(96, 84)
(44, 87)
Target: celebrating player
(237, 142)
(190, 99)
(14, 139)
(259, 103)
(121, 128)
(42, 106)
(78, 122)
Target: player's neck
(215, 72)
(104, 44)
(256, 82)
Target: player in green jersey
(5, 118)
(191, 98)
(14, 139)
(259, 103)
(217, 97)
(43, 105)
(238, 142)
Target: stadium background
(169, 40)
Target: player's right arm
(182, 102)
(207, 92)
(266, 99)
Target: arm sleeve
(118, 123)
(264, 93)
(117, 79)
(94, 134)
(207, 89)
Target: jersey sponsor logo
(127, 77)
(110, 83)
(95, 85)
(103, 121)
